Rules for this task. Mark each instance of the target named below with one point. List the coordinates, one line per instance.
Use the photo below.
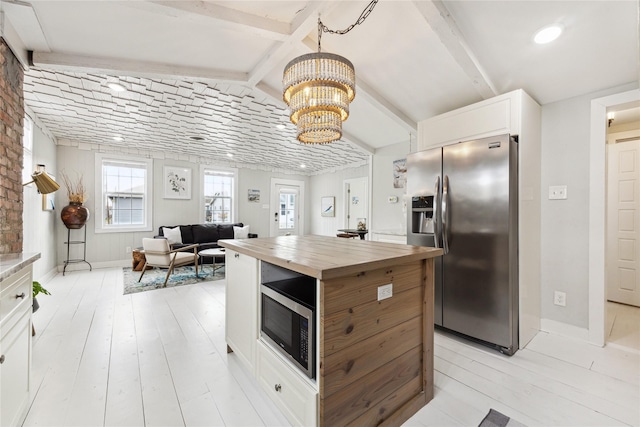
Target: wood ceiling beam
(94, 64)
(445, 27)
(233, 19)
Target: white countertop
(11, 263)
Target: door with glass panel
(286, 217)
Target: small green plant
(38, 289)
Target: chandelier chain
(365, 13)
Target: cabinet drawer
(293, 395)
(13, 292)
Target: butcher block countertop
(325, 257)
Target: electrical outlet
(557, 192)
(560, 298)
(128, 249)
(385, 291)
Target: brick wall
(11, 128)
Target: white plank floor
(159, 358)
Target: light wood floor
(623, 326)
(159, 358)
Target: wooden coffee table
(216, 252)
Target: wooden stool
(138, 260)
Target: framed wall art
(177, 182)
(328, 206)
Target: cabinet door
(241, 328)
(14, 370)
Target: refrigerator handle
(445, 212)
(436, 214)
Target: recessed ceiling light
(548, 34)
(118, 138)
(302, 166)
(229, 155)
(197, 138)
(281, 126)
(116, 87)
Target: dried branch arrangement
(75, 188)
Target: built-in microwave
(287, 319)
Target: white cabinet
(15, 346)
(291, 393)
(515, 113)
(241, 312)
(381, 236)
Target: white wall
(39, 225)
(108, 248)
(388, 216)
(330, 184)
(565, 223)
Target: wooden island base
(375, 357)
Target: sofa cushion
(205, 233)
(226, 230)
(185, 232)
(173, 235)
(241, 232)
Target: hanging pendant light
(318, 88)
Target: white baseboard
(81, 266)
(564, 329)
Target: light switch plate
(557, 192)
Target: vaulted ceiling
(203, 78)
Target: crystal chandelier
(318, 88)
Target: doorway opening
(597, 209)
(622, 258)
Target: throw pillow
(241, 232)
(172, 234)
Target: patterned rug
(154, 278)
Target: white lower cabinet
(241, 312)
(15, 346)
(294, 396)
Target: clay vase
(75, 215)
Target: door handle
(276, 217)
(436, 213)
(445, 214)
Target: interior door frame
(597, 209)
(346, 184)
(301, 214)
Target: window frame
(234, 201)
(100, 226)
(27, 150)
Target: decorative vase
(35, 305)
(75, 215)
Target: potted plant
(38, 289)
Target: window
(219, 199)
(287, 210)
(124, 188)
(27, 150)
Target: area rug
(496, 419)
(154, 278)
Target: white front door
(623, 223)
(286, 208)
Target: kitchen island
(373, 344)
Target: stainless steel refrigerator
(464, 199)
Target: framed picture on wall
(177, 182)
(328, 206)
